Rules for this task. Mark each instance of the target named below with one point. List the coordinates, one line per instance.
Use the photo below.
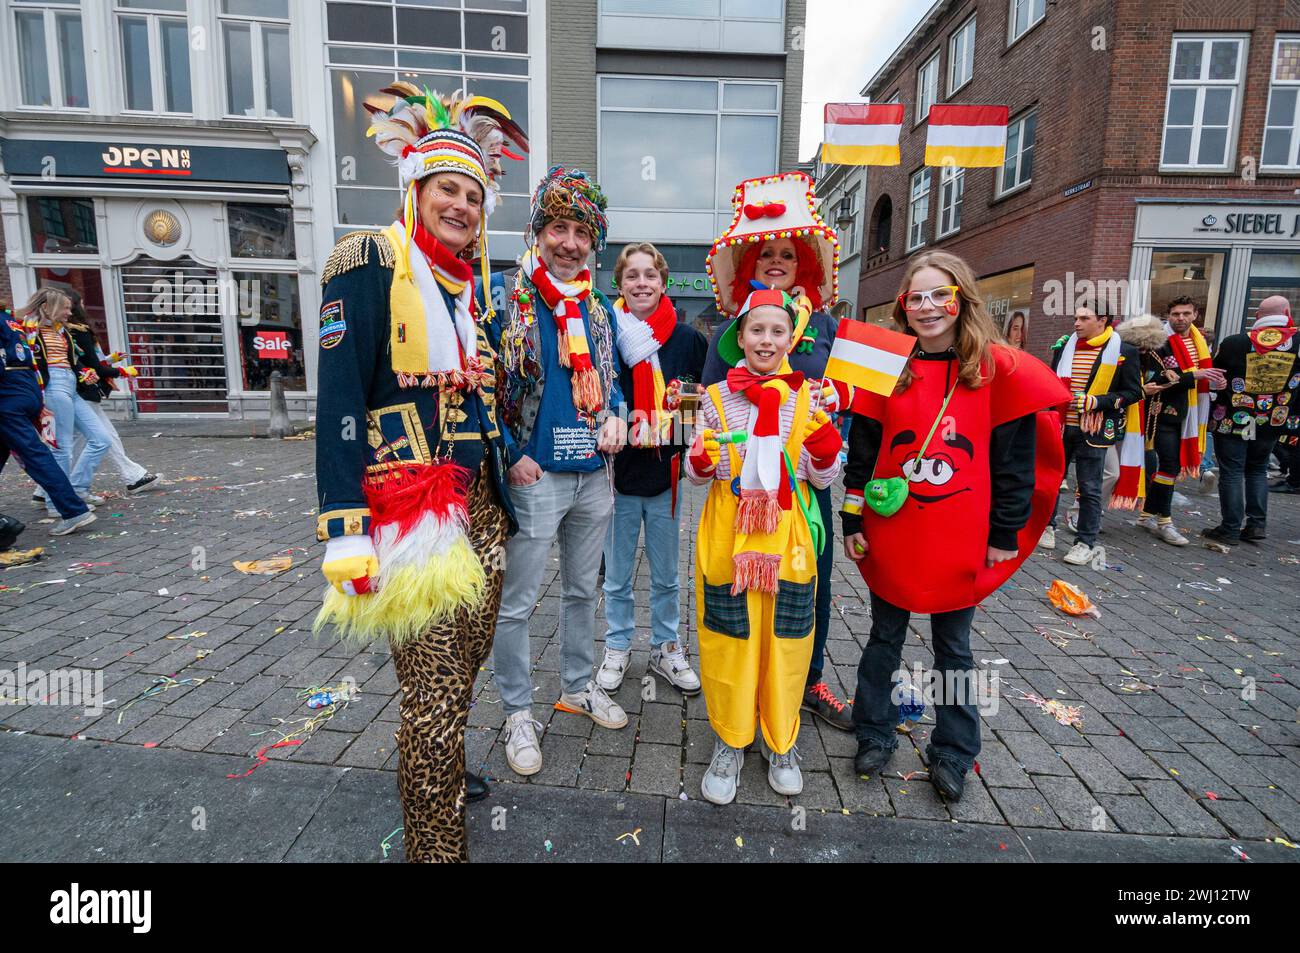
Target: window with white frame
(1018, 163)
(257, 58)
(1282, 123)
(711, 135)
(927, 87)
(51, 54)
(918, 210)
(1201, 109)
(155, 55)
(952, 183)
(750, 26)
(1025, 14)
(961, 56)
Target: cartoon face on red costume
(942, 473)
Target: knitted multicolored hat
(570, 193)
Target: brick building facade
(1123, 194)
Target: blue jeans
(1089, 469)
(72, 414)
(19, 405)
(661, 550)
(1243, 480)
(825, 563)
(956, 736)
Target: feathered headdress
(427, 133)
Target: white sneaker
(72, 524)
(1072, 519)
(610, 674)
(669, 660)
(1146, 522)
(783, 774)
(89, 497)
(1080, 554)
(1209, 481)
(719, 782)
(595, 704)
(523, 751)
(1168, 533)
(1048, 539)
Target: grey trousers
(573, 509)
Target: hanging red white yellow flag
(862, 134)
(968, 137)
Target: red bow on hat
(769, 209)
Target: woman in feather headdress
(414, 511)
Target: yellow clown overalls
(755, 647)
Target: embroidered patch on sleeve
(332, 324)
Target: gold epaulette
(353, 251)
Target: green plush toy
(887, 496)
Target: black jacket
(84, 338)
(77, 356)
(1125, 389)
(647, 471)
(365, 422)
(1262, 389)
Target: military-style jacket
(367, 424)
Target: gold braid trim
(353, 251)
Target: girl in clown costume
(949, 483)
(759, 445)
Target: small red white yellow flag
(861, 134)
(968, 137)
(869, 356)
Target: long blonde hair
(976, 331)
(45, 303)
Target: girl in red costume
(949, 482)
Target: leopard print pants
(437, 673)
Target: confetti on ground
(160, 684)
(548, 845)
(1241, 854)
(386, 844)
(1069, 715)
(635, 835)
(187, 635)
(263, 759)
(740, 842)
(1283, 841)
(912, 774)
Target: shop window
(881, 314)
(1196, 274)
(51, 54)
(1272, 273)
(155, 54)
(88, 285)
(270, 329)
(59, 225)
(260, 231)
(1006, 298)
(258, 59)
(1202, 102)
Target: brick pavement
(1168, 744)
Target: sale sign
(272, 345)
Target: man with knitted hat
(1262, 367)
(411, 461)
(559, 405)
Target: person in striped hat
(757, 548)
(411, 460)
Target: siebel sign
(162, 161)
(272, 345)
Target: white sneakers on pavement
(612, 669)
(1048, 539)
(1168, 533)
(783, 772)
(523, 750)
(719, 783)
(593, 702)
(669, 661)
(72, 524)
(1081, 554)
